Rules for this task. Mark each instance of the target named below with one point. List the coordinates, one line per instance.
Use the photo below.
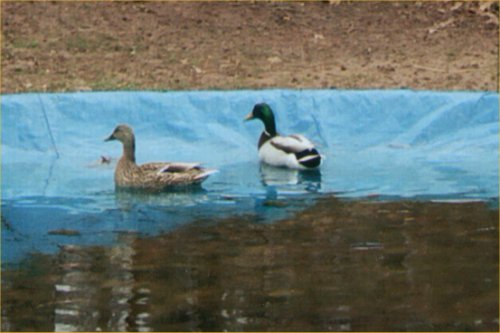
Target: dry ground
(67, 46)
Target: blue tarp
(392, 143)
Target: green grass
(78, 43)
(451, 55)
(102, 43)
(25, 43)
(112, 84)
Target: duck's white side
(293, 151)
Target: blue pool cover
(385, 143)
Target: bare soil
(69, 46)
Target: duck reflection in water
(180, 196)
(308, 180)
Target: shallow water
(254, 248)
(339, 265)
(39, 223)
(392, 143)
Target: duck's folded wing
(180, 167)
(291, 144)
(179, 173)
(161, 167)
(153, 166)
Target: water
(39, 223)
(339, 265)
(398, 231)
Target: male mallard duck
(293, 151)
(154, 176)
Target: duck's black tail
(309, 158)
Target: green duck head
(263, 112)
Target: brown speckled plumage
(156, 176)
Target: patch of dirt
(68, 46)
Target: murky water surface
(339, 265)
(254, 248)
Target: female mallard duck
(293, 151)
(156, 176)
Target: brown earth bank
(68, 46)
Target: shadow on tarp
(389, 143)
